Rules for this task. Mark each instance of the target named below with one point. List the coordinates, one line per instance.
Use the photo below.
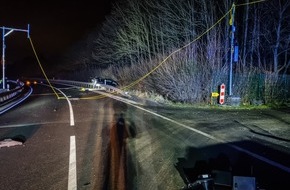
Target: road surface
(116, 145)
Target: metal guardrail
(13, 97)
(9, 94)
(78, 84)
(19, 86)
(90, 85)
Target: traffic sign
(215, 94)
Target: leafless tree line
(139, 35)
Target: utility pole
(5, 32)
(233, 29)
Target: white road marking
(72, 120)
(72, 172)
(116, 97)
(264, 159)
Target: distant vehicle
(109, 82)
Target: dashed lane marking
(72, 172)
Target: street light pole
(5, 32)
(233, 100)
(232, 49)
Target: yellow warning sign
(215, 94)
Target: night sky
(55, 25)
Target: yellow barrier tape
(250, 3)
(42, 69)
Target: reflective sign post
(222, 94)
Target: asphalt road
(121, 145)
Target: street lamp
(232, 49)
(5, 32)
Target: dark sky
(55, 24)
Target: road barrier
(10, 94)
(87, 85)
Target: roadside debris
(9, 143)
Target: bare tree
(139, 35)
(278, 30)
(245, 25)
